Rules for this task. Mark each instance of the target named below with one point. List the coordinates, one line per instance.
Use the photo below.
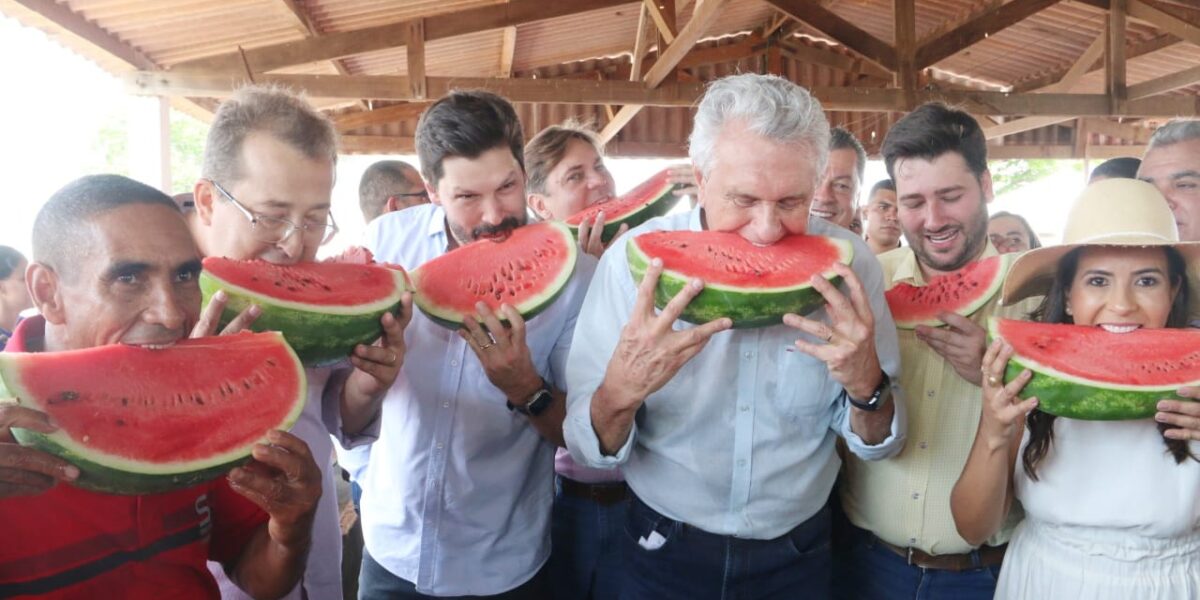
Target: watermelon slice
(1089, 373)
(140, 421)
(651, 199)
(323, 309)
(963, 291)
(526, 271)
(753, 285)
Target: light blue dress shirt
(741, 441)
(458, 490)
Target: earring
(1069, 313)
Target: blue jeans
(377, 583)
(695, 565)
(866, 570)
(588, 547)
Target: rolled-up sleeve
(331, 408)
(605, 311)
(887, 346)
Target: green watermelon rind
(747, 307)
(1074, 397)
(661, 205)
(123, 477)
(528, 309)
(966, 310)
(320, 335)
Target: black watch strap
(875, 400)
(537, 403)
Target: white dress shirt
(741, 441)
(458, 490)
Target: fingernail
(220, 295)
(254, 310)
(697, 284)
(237, 475)
(656, 262)
(71, 472)
(1161, 417)
(1162, 405)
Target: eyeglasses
(273, 230)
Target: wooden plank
(623, 149)
(414, 55)
(1021, 125)
(1124, 131)
(580, 91)
(379, 116)
(1068, 82)
(976, 29)
(1030, 151)
(1166, 83)
(841, 30)
(1082, 137)
(639, 44)
(508, 51)
(658, 14)
(904, 17)
(393, 35)
(1114, 54)
(776, 22)
(834, 60)
(1168, 23)
(774, 60)
(1154, 44)
(376, 144)
(1107, 152)
(309, 28)
(618, 121)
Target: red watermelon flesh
(963, 292)
(727, 259)
(312, 283)
(354, 255)
(526, 271)
(130, 416)
(652, 198)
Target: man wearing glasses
(264, 193)
(388, 186)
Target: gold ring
(487, 345)
(993, 380)
(392, 359)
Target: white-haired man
(727, 437)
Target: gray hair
(279, 112)
(1174, 132)
(770, 106)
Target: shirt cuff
(331, 403)
(891, 445)
(585, 445)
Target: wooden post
(1114, 57)
(415, 51)
(905, 14)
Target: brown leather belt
(985, 556)
(604, 494)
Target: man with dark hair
(883, 229)
(457, 494)
(1123, 166)
(14, 296)
(904, 543)
(836, 198)
(387, 186)
(113, 263)
(265, 193)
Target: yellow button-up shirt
(905, 500)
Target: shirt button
(924, 445)
(749, 354)
(929, 393)
(454, 363)
(743, 408)
(915, 495)
(741, 462)
(447, 405)
(912, 540)
(441, 445)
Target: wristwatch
(537, 404)
(875, 400)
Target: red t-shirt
(72, 543)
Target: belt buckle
(909, 553)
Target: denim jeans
(866, 570)
(588, 547)
(377, 583)
(691, 564)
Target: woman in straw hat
(1112, 508)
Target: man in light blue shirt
(727, 437)
(457, 493)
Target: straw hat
(1112, 212)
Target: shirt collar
(437, 222)
(694, 219)
(909, 271)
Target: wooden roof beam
(379, 116)
(393, 35)
(844, 32)
(1114, 54)
(1166, 83)
(639, 44)
(976, 29)
(1066, 84)
(1124, 131)
(1164, 21)
(579, 91)
(904, 17)
(657, 14)
(309, 28)
(1041, 82)
(508, 51)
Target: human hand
(961, 342)
(282, 479)
(210, 317)
(25, 471)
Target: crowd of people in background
(603, 450)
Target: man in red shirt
(114, 263)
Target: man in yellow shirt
(903, 542)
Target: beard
(974, 234)
(504, 228)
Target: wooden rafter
(1166, 83)
(844, 32)
(508, 51)
(1164, 21)
(904, 17)
(1124, 131)
(662, 20)
(393, 35)
(1066, 84)
(834, 60)
(379, 116)
(976, 29)
(703, 17)
(1154, 44)
(639, 44)
(309, 28)
(577, 91)
(415, 57)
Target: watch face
(541, 401)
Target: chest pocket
(796, 385)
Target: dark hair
(1123, 167)
(466, 124)
(9, 259)
(547, 148)
(841, 139)
(934, 129)
(1034, 242)
(882, 184)
(381, 180)
(1053, 309)
(55, 230)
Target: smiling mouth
(1122, 328)
(942, 238)
(150, 346)
(824, 214)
